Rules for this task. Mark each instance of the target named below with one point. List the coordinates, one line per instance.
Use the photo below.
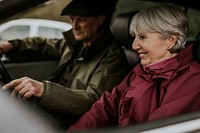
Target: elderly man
(91, 62)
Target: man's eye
(82, 19)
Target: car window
(30, 27)
(52, 32)
(15, 32)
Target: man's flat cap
(89, 7)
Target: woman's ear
(172, 40)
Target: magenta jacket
(146, 95)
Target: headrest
(196, 49)
(120, 28)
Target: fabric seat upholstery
(120, 28)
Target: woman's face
(85, 28)
(152, 47)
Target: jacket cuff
(46, 93)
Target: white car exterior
(27, 27)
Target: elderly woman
(166, 81)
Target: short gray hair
(164, 19)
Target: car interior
(40, 69)
(37, 68)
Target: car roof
(16, 6)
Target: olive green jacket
(102, 67)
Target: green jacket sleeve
(75, 101)
(41, 47)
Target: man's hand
(5, 46)
(25, 87)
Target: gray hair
(165, 19)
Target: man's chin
(79, 38)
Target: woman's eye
(141, 37)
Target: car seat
(120, 29)
(196, 49)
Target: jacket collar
(97, 45)
(178, 63)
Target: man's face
(85, 28)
